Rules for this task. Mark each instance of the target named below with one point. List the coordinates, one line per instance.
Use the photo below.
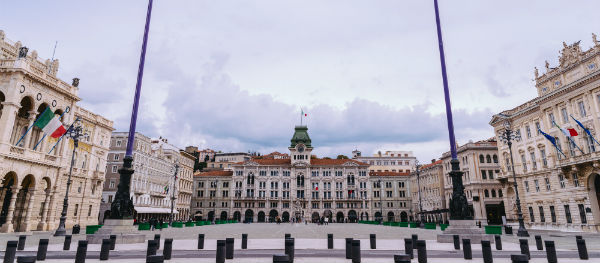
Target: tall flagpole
(122, 206)
(459, 209)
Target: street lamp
(173, 193)
(380, 203)
(507, 136)
(421, 225)
(74, 132)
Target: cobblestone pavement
(270, 236)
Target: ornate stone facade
(34, 181)
(299, 188)
(557, 191)
(432, 199)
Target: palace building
(34, 169)
(557, 191)
(297, 188)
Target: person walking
(160, 224)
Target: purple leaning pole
(138, 85)
(458, 204)
(122, 206)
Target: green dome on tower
(301, 136)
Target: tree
(341, 156)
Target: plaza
(266, 239)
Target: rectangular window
(565, 115)
(568, 214)
(533, 161)
(114, 169)
(542, 217)
(524, 162)
(116, 157)
(537, 185)
(581, 107)
(552, 214)
(575, 180)
(561, 180)
(590, 143)
(528, 131)
(531, 214)
(483, 176)
(547, 180)
(527, 186)
(90, 211)
(76, 209)
(491, 174)
(582, 213)
(551, 118)
(537, 127)
(544, 160)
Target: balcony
(579, 159)
(28, 155)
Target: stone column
(50, 217)
(27, 139)
(7, 120)
(42, 224)
(29, 208)
(8, 226)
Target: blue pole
(138, 86)
(445, 80)
(28, 129)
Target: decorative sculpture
(536, 72)
(594, 38)
(75, 82)
(23, 52)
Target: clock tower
(301, 148)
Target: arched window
(500, 193)
(488, 158)
(481, 159)
(486, 193)
(493, 193)
(495, 158)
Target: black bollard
(155, 259)
(524, 244)
(21, 244)
(373, 241)
(200, 241)
(578, 237)
(498, 240)
(550, 251)
(422, 251)
(229, 248)
(244, 241)
(105, 249)
(519, 259)
(414, 239)
(289, 248)
(280, 258)
(467, 253)
(456, 239)
(168, 248)
(11, 250)
(408, 247)
(81, 251)
(348, 248)
(355, 251)
(157, 238)
(486, 250)
(67, 244)
(329, 241)
(220, 251)
(287, 235)
(26, 259)
(402, 258)
(538, 242)
(42, 249)
(583, 254)
(151, 251)
(113, 241)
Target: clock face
(301, 148)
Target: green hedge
(177, 224)
(430, 226)
(403, 224)
(144, 226)
(493, 230)
(443, 226)
(91, 229)
(189, 224)
(412, 224)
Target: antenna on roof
(51, 62)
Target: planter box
(91, 229)
(144, 226)
(403, 224)
(443, 226)
(493, 230)
(430, 226)
(412, 224)
(177, 224)
(189, 224)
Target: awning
(154, 210)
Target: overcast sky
(232, 75)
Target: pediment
(349, 163)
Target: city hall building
(557, 191)
(301, 188)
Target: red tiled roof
(269, 161)
(334, 162)
(431, 164)
(214, 173)
(388, 174)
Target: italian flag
(50, 124)
(569, 132)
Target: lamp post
(173, 193)
(380, 203)
(421, 224)
(507, 136)
(74, 132)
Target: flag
(570, 132)
(50, 124)
(585, 129)
(552, 140)
(166, 189)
